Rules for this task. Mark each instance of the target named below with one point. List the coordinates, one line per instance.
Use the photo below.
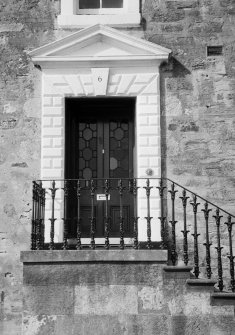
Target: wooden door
(99, 146)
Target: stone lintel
(221, 299)
(78, 256)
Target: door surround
(101, 61)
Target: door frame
(82, 109)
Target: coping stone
(78, 256)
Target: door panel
(100, 145)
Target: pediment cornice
(98, 44)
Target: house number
(102, 197)
(99, 79)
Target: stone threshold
(223, 298)
(53, 256)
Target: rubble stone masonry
(197, 122)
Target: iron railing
(189, 225)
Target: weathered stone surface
(122, 305)
(39, 325)
(49, 300)
(151, 300)
(106, 300)
(99, 325)
(197, 108)
(186, 326)
(79, 274)
(224, 325)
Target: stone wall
(197, 108)
(24, 25)
(197, 93)
(107, 296)
(197, 114)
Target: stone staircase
(119, 292)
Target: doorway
(99, 146)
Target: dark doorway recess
(99, 145)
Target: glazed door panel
(100, 146)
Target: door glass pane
(87, 150)
(89, 4)
(119, 149)
(112, 3)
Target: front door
(99, 147)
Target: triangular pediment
(99, 43)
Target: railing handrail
(142, 178)
(198, 196)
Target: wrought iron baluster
(79, 233)
(195, 205)
(92, 220)
(34, 211)
(53, 190)
(43, 217)
(162, 218)
(230, 224)
(121, 189)
(148, 217)
(134, 190)
(185, 232)
(207, 244)
(41, 227)
(219, 248)
(107, 219)
(173, 223)
(38, 221)
(65, 237)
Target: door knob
(149, 172)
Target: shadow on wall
(172, 68)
